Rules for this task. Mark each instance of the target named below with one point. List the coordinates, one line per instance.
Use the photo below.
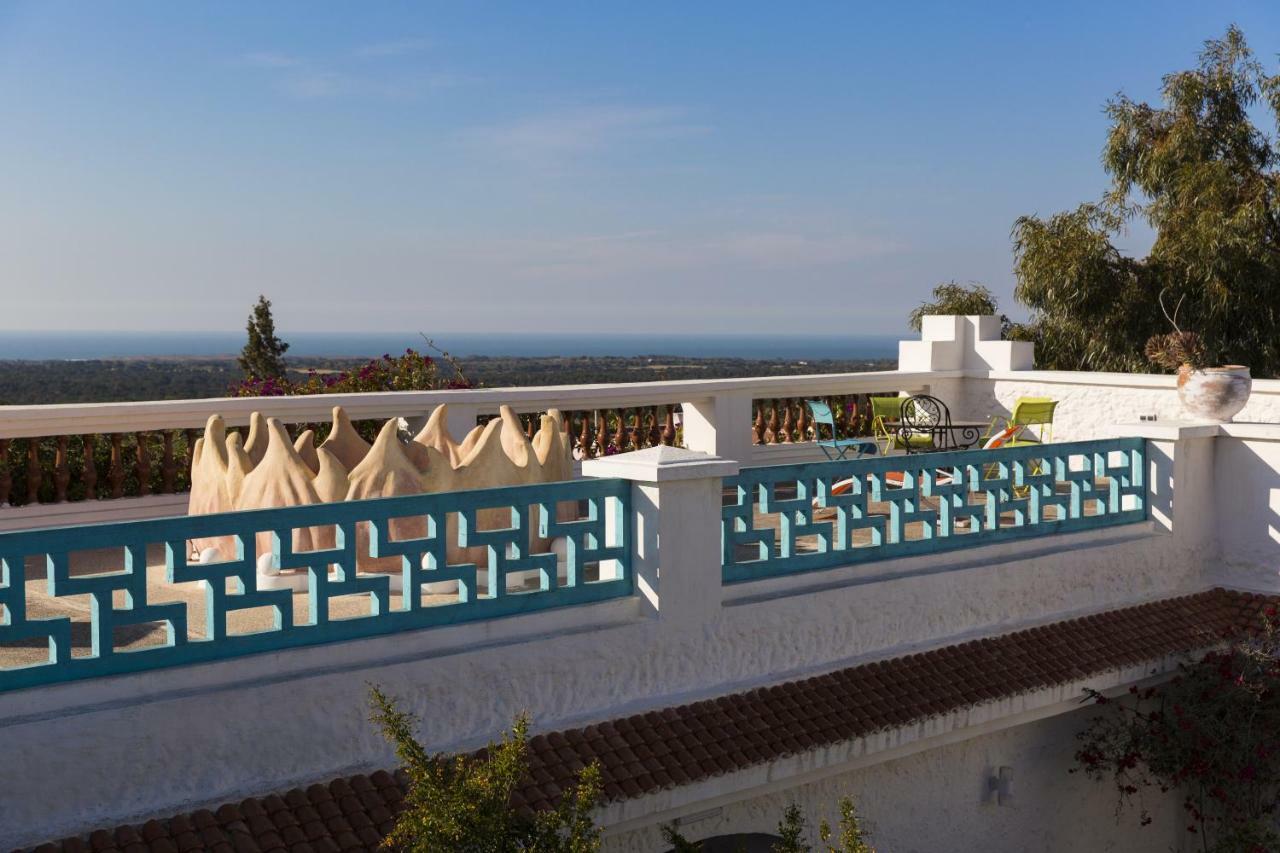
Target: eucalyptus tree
(1204, 177)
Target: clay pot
(1214, 393)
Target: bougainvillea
(411, 371)
(1211, 735)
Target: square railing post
(676, 505)
(720, 425)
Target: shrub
(852, 835)
(463, 803)
(1212, 733)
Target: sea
(83, 345)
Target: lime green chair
(886, 410)
(1030, 412)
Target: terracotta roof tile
(671, 746)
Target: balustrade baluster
(757, 429)
(115, 474)
(802, 423)
(168, 465)
(787, 423)
(602, 435)
(669, 426)
(636, 433)
(771, 426)
(529, 429)
(620, 436)
(35, 476)
(6, 479)
(90, 474)
(143, 456)
(61, 471)
(584, 435)
(655, 432)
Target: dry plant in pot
(1208, 393)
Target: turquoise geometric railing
(785, 519)
(596, 541)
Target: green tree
(263, 353)
(853, 836)
(1199, 172)
(951, 297)
(791, 831)
(463, 803)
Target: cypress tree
(263, 354)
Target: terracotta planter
(1214, 393)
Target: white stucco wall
(1247, 509)
(1090, 404)
(935, 801)
(207, 734)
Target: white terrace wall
(1090, 405)
(206, 734)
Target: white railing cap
(100, 418)
(661, 464)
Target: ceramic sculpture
(267, 470)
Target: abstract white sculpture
(270, 470)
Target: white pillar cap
(661, 464)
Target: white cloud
(269, 59)
(569, 133)
(387, 49)
(302, 79)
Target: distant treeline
(25, 382)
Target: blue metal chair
(836, 448)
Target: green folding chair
(1027, 412)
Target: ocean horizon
(87, 345)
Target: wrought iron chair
(926, 425)
(835, 448)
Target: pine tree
(263, 354)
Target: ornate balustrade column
(584, 435)
(602, 433)
(787, 423)
(771, 425)
(620, 434)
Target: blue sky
(711, 167)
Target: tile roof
(645, 753)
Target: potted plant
(1209, 393)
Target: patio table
(954, 435)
